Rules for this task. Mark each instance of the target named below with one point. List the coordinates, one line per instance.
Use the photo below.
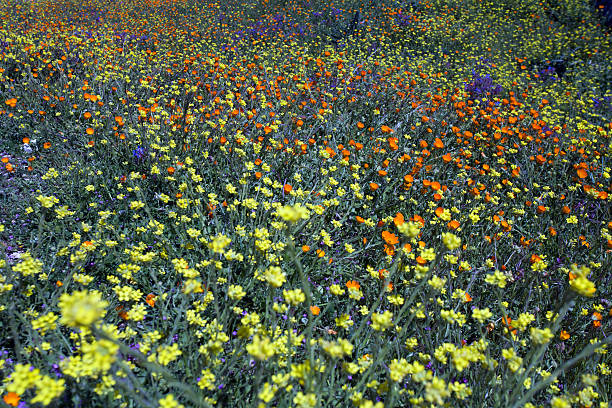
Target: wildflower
(497, 279)
(167, 354)
(260, 348)
(451, 241)
(235, 292)
(47, 389)
(410, 229)
(302, 400)
(11, 399)
(294, 297)
(382, 321)
(293, 213)
(580, 283)
(23, 378)
(275, 276)
(560, 402)
(481, 314)
(540, 336)
(207, 380)
(398, 369)
(47, 202)
(28, 265)
(82, 308)
(169, 402)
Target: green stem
(587, 352)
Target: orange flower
(359, 219)
(11, 102)
(564, 335)
(398, 219)
(438, 143)
(170, 170)
(390, 238)
(359, 124)
(581, 173)
(439, 211)
(320, 253)
(315, 310)
(386, 129)
(151, 299)
(305, 248)
(11, 399)
(353, 285)
(373, 186)
(468, 298)
(287, 188)
(89, 131)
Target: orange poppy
(11, 399)
(398, 219)
(315, 310)
(390, 238)
(353, 285)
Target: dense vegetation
(306, 204)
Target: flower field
(284, 203)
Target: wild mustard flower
(451, 241)
(481, 314)
(235, 292)
(261, 348)
(170, 402)
(294, 297)
(382, 321)
(23, 378)
(497, 278)
(81, 308)
(275, 276)
(540, 336)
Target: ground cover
(306, 204)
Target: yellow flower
(23, 378)
(497, 279)
(382, 321)
(451, 241)
(292, 213)
(302, 400)
(261, 348)
(82, 308)
(169, 402)
(540, 336)
(47, 390)
(481, 314)
(294, 297)
(275, 276)
(235, 292)
(47, 202)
